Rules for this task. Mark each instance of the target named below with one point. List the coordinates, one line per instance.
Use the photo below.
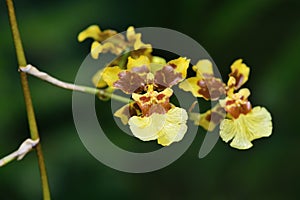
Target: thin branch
(19, 154)
(29, 69)
(27, 97)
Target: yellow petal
(92, 31)
(141, 61)
(136, 39)
(180, 65)
(98, 80)
(231, 86)
(212, 118)
(138, 44)
(127, 111)
(244, 93)
(240, 72)
(245, 128)
(110, 75)
(130, 34)
(95, 33)
(195, 117)
(174, 127)
(190, 85)
(146, 128)
(203, 67)
(121, 114)
(96, 48)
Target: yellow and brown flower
(150, 116)
(243, 123)
(110, 41)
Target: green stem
(100, 92)
(29, 108)
(29, 69)
(123, 60)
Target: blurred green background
(265, 33)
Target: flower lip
(166, 128)
(242, 130)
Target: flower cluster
(149, 80)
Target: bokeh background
(265, 33)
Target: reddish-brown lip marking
(145, 99)
(160, 97)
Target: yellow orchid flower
(247, 127)
(109, 41)
(151, 117)
(243, 123)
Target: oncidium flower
(243, 123)
(150, 116)
(110, 41)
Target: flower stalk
(27, 97)
(29, 69)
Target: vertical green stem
(29, 108)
